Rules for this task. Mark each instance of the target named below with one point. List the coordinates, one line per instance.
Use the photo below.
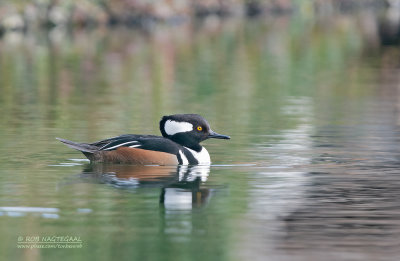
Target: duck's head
(188, 130)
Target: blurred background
(308, 90)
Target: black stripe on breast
(179, 158)
(190, 157)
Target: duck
(178, 145)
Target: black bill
(215, 135)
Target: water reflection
(20, 211)
(23, 211)
(313, 106)
(182, 187)
(351, 200)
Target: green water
(311, 171)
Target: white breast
(202, 157)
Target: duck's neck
(186, 142)
(197, 147)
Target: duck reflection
(182, 187)
(187, 192)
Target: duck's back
(135, 149)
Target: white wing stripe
(119, 145)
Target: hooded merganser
(179, 144)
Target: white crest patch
(172, 127)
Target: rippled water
(311, 171)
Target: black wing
(146, 142)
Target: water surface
(311, 171)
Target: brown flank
(135, 156)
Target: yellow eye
(199, 128)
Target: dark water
(311, 171)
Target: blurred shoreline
(28, 15)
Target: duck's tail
(87, 149)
